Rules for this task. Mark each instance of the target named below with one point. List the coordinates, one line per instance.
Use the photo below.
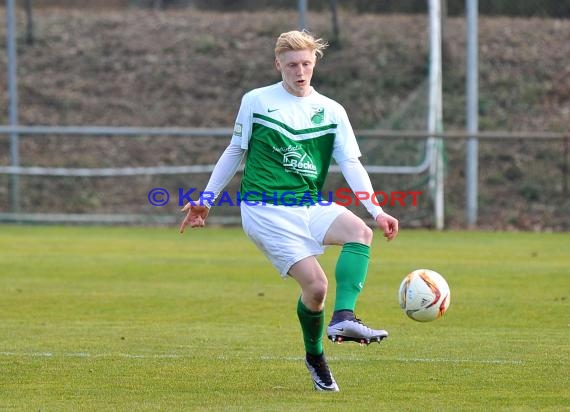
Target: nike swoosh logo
(271, 110)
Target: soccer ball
(424, 295)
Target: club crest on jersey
(317, 115)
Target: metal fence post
(472, 112)
(13, 103)
(435, 113)
(302, 14)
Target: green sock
(350, 274)
(313, 326)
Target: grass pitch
(141, 319)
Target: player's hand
(388, 224)
(195, 216)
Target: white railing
(97, 131)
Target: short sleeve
(345, 145)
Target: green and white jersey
(290, 142)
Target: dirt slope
(189, 68)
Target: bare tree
(29, 23)
(335, 26)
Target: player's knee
(362, 234)
(318, 290)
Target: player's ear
(277, 64)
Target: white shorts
(288, 234)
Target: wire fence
(123, 194)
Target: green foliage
(530, 192)
(145, 319)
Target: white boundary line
(270, 358)
(91, 355)
(406, 360)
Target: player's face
(296, 69)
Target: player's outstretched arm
(388, 224)
(195, 216)
(225, 169)
(359, 181)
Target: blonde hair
(300, 40)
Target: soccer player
(291, 133)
